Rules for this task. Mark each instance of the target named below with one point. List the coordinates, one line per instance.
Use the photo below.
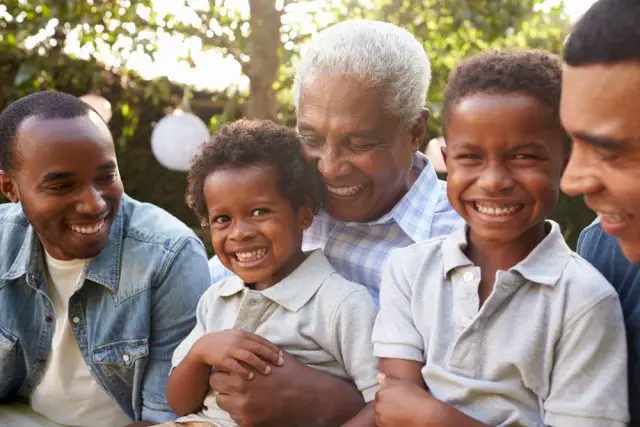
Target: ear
(305, 215)
(443, 150)
(419, 129)
(9, 187)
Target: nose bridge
(91, 201)
(333, 160)
(241, 229)
(580, 175)
(495, 176)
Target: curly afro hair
(256, 142)
(532, 72)
(607, 33)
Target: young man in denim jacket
(96, 289)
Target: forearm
(365, 418)
(340, 400)
(188, 386)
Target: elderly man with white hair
(359, 92)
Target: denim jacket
(137, 302)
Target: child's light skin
(502, 151)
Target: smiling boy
(255, 190)
(500, 323)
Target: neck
(504, 255)
(285, 270)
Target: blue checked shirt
(359, 250)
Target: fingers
(265, 349)
(255, 362)
(225, 383)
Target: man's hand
(230, 350)
(292, 395)
(403, 403)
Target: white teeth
(345, 191)
(497, 210)
(611, 217)
(251, 256)
(88, 229)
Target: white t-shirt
(68, 394)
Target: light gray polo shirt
(314, 314)
(548, 346)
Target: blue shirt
(137, 302)
(358, 250)
(603, 252)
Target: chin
(631, 251)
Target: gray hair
(379, 54)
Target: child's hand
(230, 350)
(401, 403)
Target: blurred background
(166, 71)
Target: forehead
(334, 102)
(486, 116)
(51, 140)
(238, 185)
(602, 100)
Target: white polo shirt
(314, 314)
(548, 346)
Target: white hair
(379, 54)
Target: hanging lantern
(100, 104)
(434, 153)
(177, 138)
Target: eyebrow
(601, 141)
(55, 176)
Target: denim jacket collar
(104, 269)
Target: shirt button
(253, 302)
(468, 276)
(75, 319)
(126, 358)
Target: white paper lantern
(434, 153)
(100, 104)
(177, 138)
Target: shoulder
(417, 256)
(584, 285)
(337, 294)
(151, 225)
(14, 229)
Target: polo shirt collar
(295, 290)
(544, 265)
(410, 213)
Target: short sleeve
(395, 335)
(353, 323)
(589, 378)
(198, 330)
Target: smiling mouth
(88, 229)
(250, 256)
(497, 210)
(347, 191)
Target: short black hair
(607, 33)
(533, 72)
(45, 105)
(246, 143)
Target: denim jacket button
(126, 358)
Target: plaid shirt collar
(409, 213)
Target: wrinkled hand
(266, 400)
(238, 352)
(401, 403)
